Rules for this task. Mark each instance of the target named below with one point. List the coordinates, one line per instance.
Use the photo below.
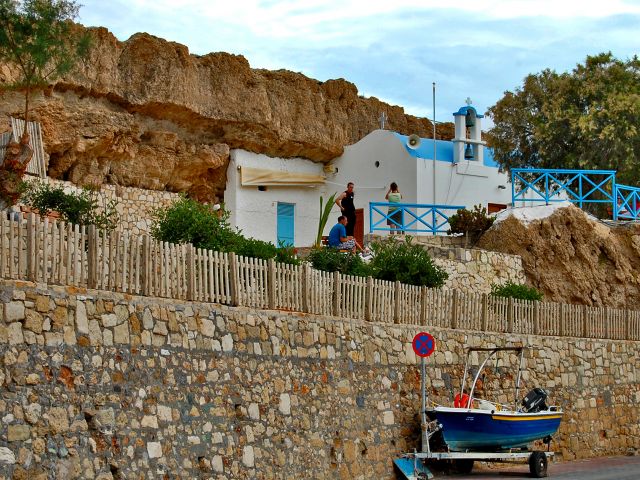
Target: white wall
(357, 165)
(468, 183)
(255, 212)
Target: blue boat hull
(474, 429)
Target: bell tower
(468, 143)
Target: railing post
(536, 317)
(454, 309)
(306, 285)
(561, 316)
(271, 283)
(92, 257)
(368, 300)
(424, 297)
(146, 265)
(31, 247)
(396, 302)
(191, 272)
(234, 286)
(485, 312)
(510, 315)
(585, 317)
(627, 324)
(336, 294)
(607, 322)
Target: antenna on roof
(383, 118)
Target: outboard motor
(535, 401)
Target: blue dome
(463, 111)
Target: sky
(393, 50)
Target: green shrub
(79, 208)
(188, 221)
(471, 223)
(409, 263)
(287, 254)
(515, 290)
(250, 247)
(330, 259)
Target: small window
(262, 188)
(377, 164)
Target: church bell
(468, 152)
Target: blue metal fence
(557, 185)
(576, 186)
(413, 217)
(627, 202)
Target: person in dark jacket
(345, 202)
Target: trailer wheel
(464, 466)
(538, 464)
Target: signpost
(424, 345)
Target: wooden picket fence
(53, 252)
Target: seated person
(338, 236)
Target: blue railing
(627, 202)
(556, 185)
(410, 217)
(576, 186)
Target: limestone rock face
(146, 113)
(573, 258)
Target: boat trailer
(412, 465)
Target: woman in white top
(394, 215)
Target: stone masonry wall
(470, 270)
(134, 204)
(110, 386)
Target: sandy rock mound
(570, 256)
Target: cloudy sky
(392, 49)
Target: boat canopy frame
(491, 352)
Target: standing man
(345, 202)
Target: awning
(259, 176)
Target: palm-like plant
(325, 211)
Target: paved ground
(603, 468)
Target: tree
(37, 37)
(588, 118)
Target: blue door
(286, 213)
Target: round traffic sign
(424, 344)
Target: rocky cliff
(147, 113)
(573, 258)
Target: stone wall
(133, 204)
(474, 271)
(470, 270)
(103, 385)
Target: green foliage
(330, 259)
(188, 221)
(287, 254)
(409, 263)
(79, 208)
(325, 211)
(584, 119)
(515, 290)
(471, 223)
(38, 37)
(250, 247)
